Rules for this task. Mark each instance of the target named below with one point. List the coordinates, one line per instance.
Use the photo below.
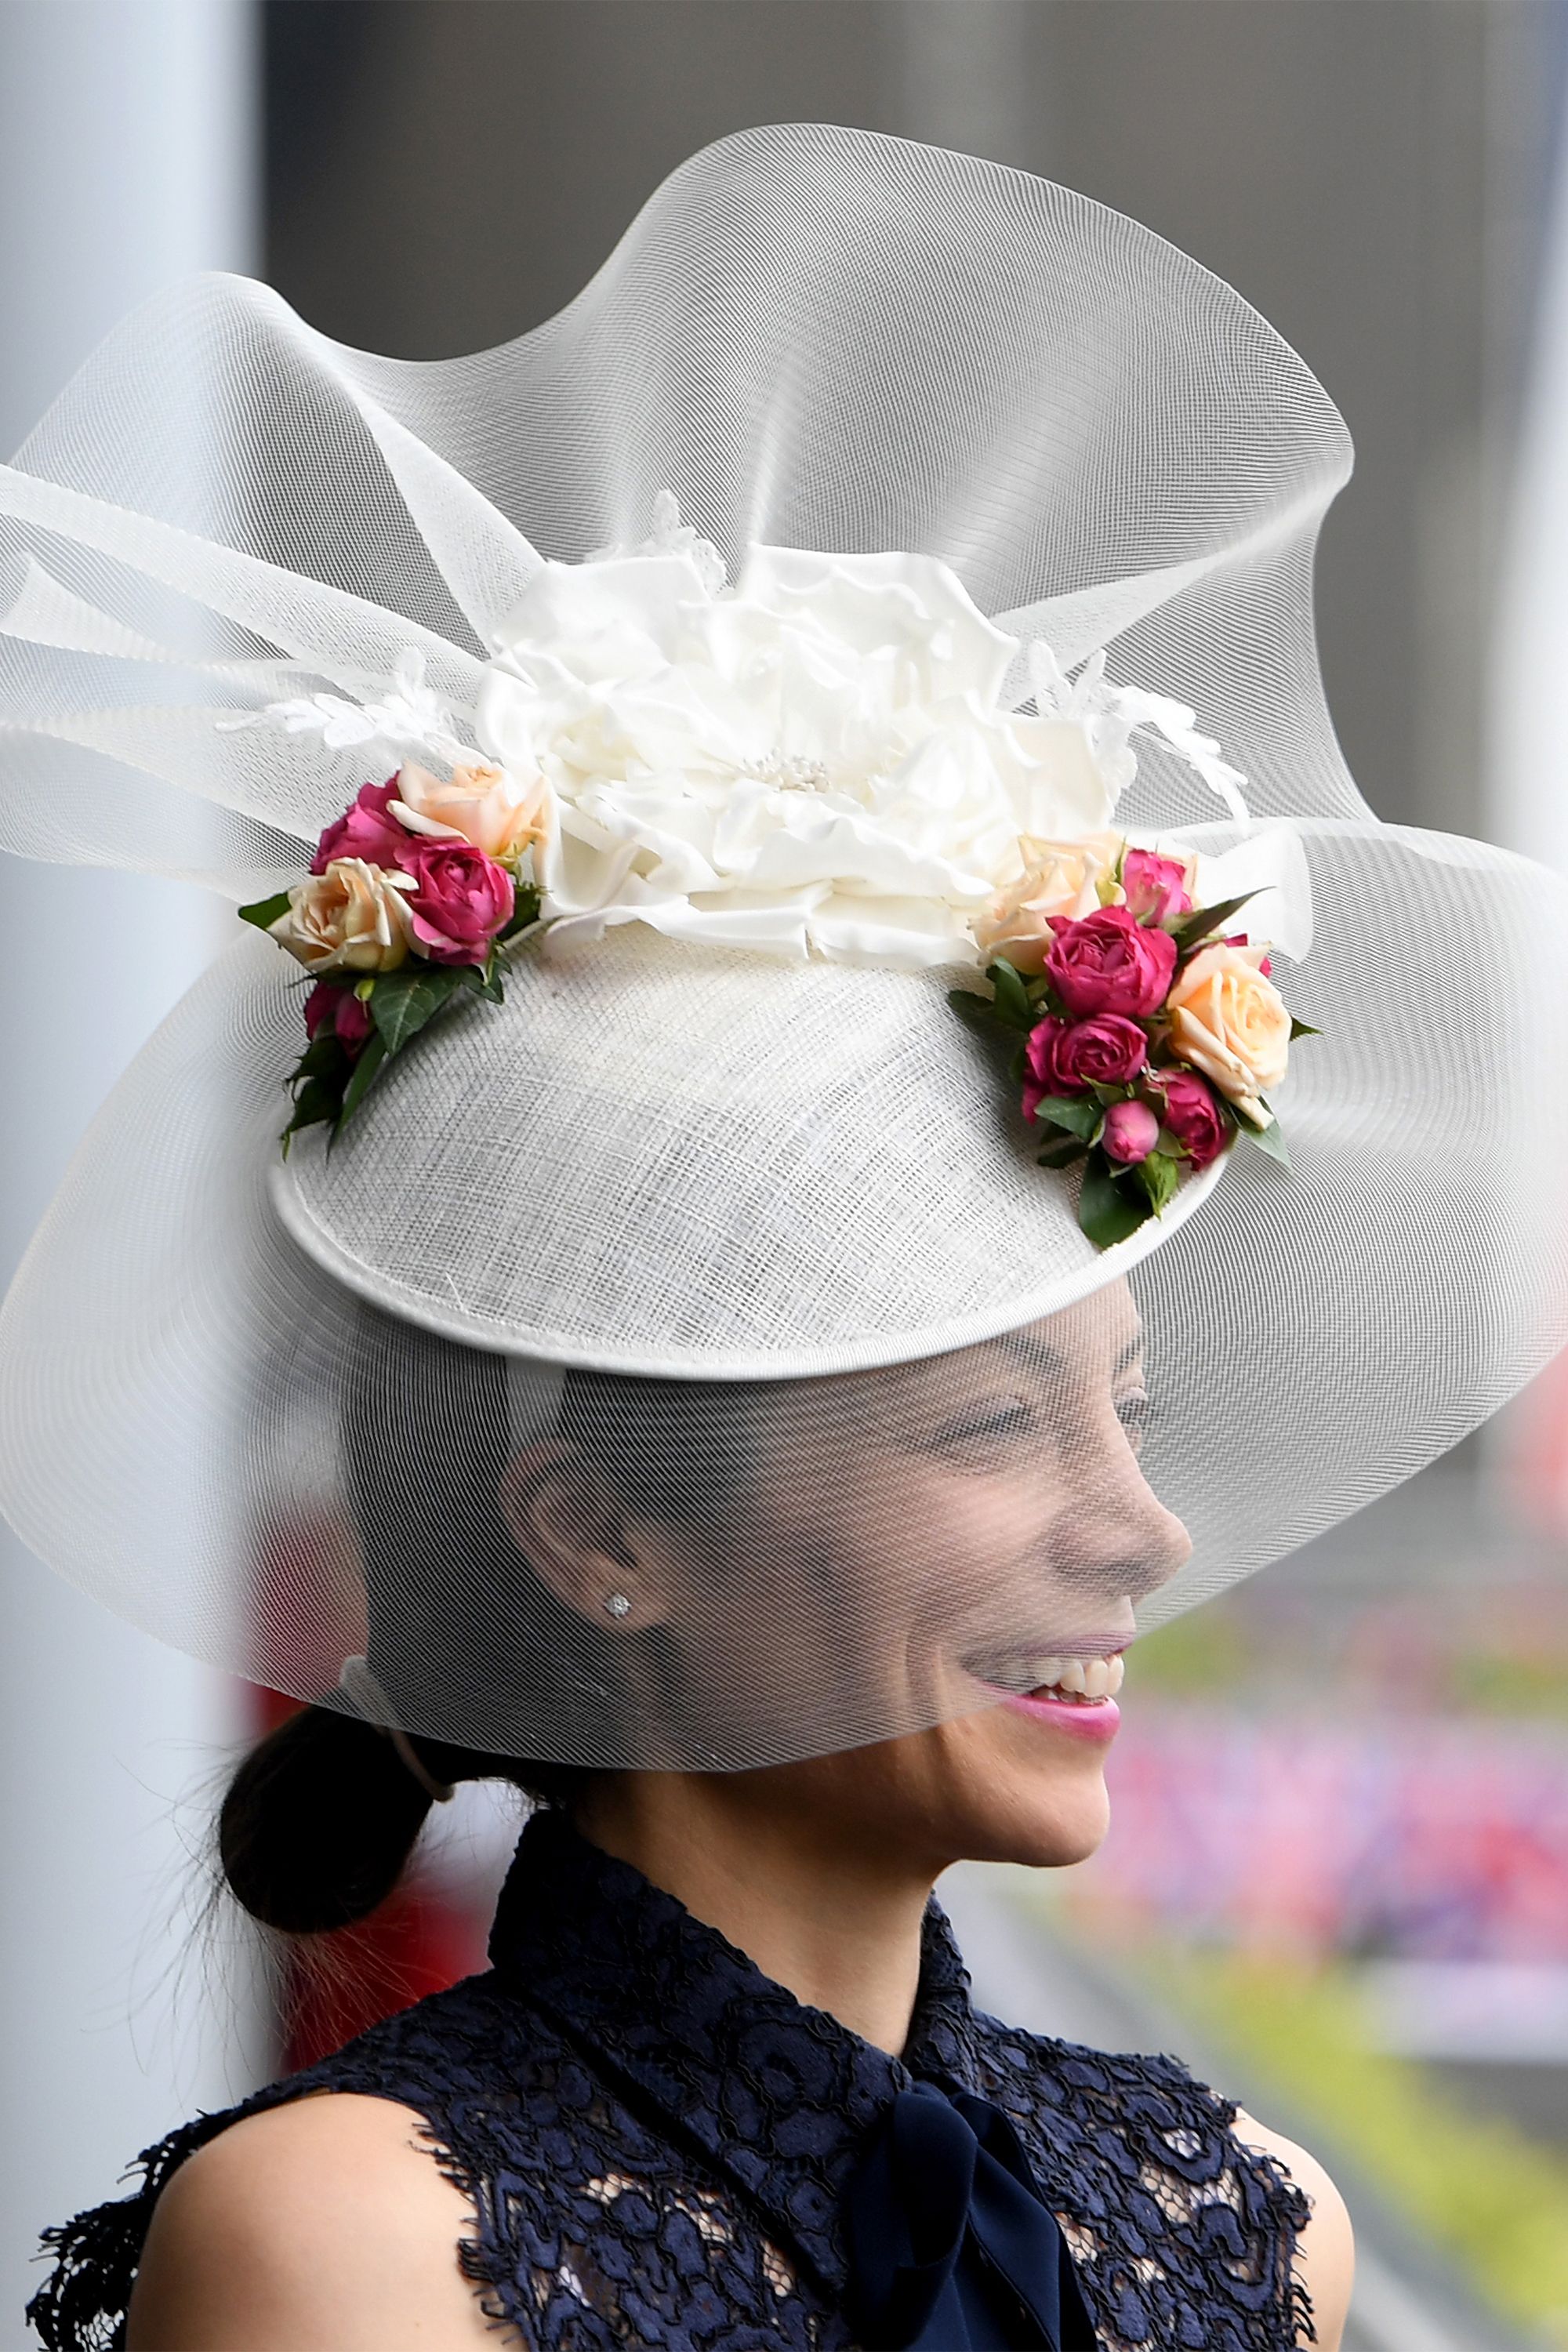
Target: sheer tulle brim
(742, 1244)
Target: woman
(1014, 1474)
(696, 1376)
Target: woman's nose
(1115, 1538)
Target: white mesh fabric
(681, 1259)
(814, 337)
(697, 1166)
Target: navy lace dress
(660, 2146)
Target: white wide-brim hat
(724, 1163)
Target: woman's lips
(1077, 1696)
(1095, 1719)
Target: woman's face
(928, 1561)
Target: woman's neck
(840, 1928)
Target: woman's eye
(1134, 1413)
(1007, 1421)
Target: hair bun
(317, 1823)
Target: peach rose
(479, 804)
(1060, 878)
(352, 918)
(1227, 1019)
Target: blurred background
(1338, 1878)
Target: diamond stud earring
(616, 1605)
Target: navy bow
(951, 2247)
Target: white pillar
(128, 157)
(961, 71)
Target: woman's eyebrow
(1027, 1346)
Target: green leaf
(325, 1057)
(1270, 1139)
(1106, 1213)
(1062, 1151)
(1303, 1029)
(405, 1000)
(1013, 1004)
(1080, 1115)
(482, 979)
(978, 1010)
(1043, 997)
(1194, 929)
(265, 912)
(1158, 1177)
(524, 911)
(365, 1072)
(317, 1100)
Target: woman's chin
(1046, 1812)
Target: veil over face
(898, 1545)
(721, 1203)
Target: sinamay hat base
(757, 1249)
(733, 1172)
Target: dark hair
(319, 1819)
(318, 1823)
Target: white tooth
(1049, 1671)
(1115, 1674)
(1096, 1678)
(1071, 1677)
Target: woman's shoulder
(1134, 2142)
(1325, 2244)
(319, 2221)
(394, 2092)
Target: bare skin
(324, 2226)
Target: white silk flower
(815, 762)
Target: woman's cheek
(972, 1537)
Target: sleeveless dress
(663, 2149)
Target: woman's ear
(578, 1540)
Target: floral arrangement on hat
(1146, 1039)
(835, 758)
(414, 895)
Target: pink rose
(1132, 1131)
(1192, 1115)
(365, 831)
(1156, 886)
(1109, 963)
(462, 898)
(342, 1012)
(1063, 1057)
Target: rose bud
(1192, 1115)
(342, 1012)
(1132, 1131)
(1156, 887)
